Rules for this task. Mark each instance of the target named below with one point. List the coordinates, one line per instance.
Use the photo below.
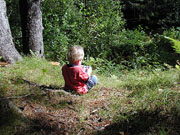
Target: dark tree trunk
(7, 48)
(31, 21)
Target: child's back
(77, 77)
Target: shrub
(92, 25)
(165, 47)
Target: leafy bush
(128, 48)
(135, 49)
(55, 41)
(174, 34)
(165, 46)
(90, 24)
(176, 44)
(100, 65)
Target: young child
(76, 76)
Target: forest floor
(64, 114)
(38, 105)
(59, 113)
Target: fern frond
(176, 44)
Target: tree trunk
(7, 48)
(31, 21)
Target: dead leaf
(55, 63)
(3, 64)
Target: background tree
(7, 48)
(31, 22)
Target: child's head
(75, 53)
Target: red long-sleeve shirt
(75, 78)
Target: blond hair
(75, 53)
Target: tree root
(52, 88)
(7, 104)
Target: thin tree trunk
(7, 48)
(32, 29)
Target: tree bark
(32, 29)
(7, 48)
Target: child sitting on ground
(76, 76)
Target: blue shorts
(92, 81)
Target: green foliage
(72, 22)
(135, 49)
(100, 65)
(99, 26)
(153, 14)
(173, 32)
(178, 66)
(129, 48)
(103, 24)
(172, 35)
(163, 48)
(15, 23)
(55, 42)
(176, 44)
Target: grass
(133, 102)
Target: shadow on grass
(10, 120)
(145, 123)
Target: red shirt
(75, 78)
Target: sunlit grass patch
(143, 91)
(40, 71)
(108, 81)
(33, 69)
(149, 80)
